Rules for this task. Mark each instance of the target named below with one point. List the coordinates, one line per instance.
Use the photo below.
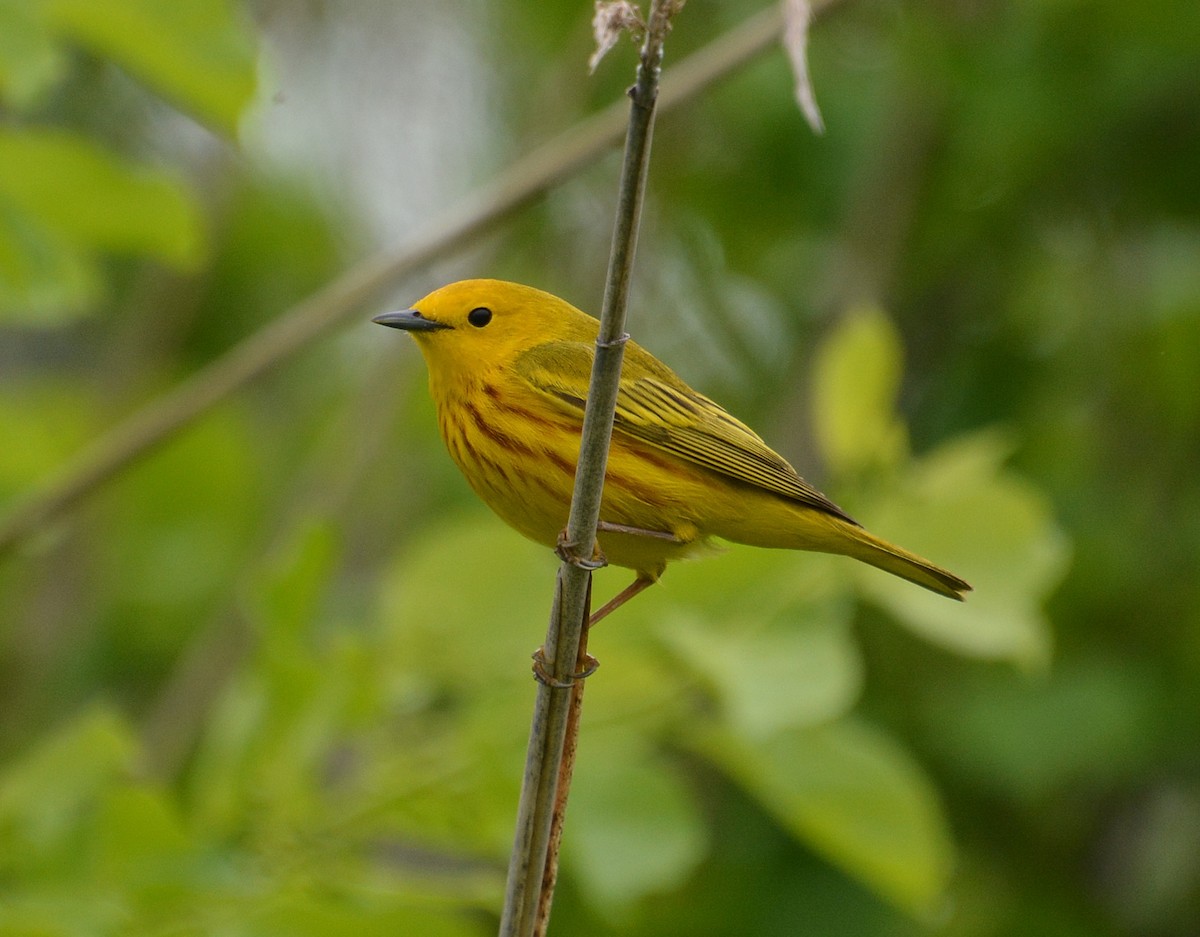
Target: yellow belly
(522, 464)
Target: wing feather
(657, 407)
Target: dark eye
(479, 317)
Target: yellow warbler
(509, 368)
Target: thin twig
(530, 871)
(548, 165)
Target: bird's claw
(568, 553)
(543, 676)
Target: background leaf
(634, 827)
(795, 669)
(854, 796)
(44, 795)
(856, 377)
(29, 60)
(961, 506)
(63, 201)
(197, 53)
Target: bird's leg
(642, 581)
(606, 527)
(638, 585)
(568, 552)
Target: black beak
(410, 320)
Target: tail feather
(899, 562)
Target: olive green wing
(655, 406)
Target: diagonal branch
(547, 166)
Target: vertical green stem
(527, 868)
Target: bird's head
(474, 325)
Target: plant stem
(566, 770)
(533, 866)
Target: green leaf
(42, 276)
(461, 612)
(198, 53)
(30, 63)
(634, 829)
(765, 631)
(290, 588)
(796, 668)
(856, 376)
(1094, 721)
(63, 200)
(964, 511)
(44, 794)
(853, 795)
(179, 525)
(135, 832)
(93, 199)
(470, 590)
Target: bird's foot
(568, 552)
(542, 674)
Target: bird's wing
(658, 408)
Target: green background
(273, 678)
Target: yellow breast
(519, 455)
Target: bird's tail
(899, 562)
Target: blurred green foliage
(67, 200)
(273, 679)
